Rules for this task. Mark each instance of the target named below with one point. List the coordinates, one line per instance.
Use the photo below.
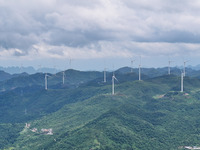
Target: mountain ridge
(145, 114)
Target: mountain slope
(149, 114)
(74, 116)
(136, 123)
(4, 76)
(73, 78)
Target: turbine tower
(104, 75)
(184, 67)
(132, 65)
(139, 72)
(63, 79)
(169, 71)
(46, 81)
(182, 77)
(113, 83)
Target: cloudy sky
(99, 33)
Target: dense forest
(150, 114)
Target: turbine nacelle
(114, 78)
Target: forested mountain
(73, 78)
(4, 76)
(151, 114)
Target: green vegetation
(143, 115)
(9, 133)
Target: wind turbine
(63, 79)
(169, 71)
(184, 67)
(182, 77)
(104, 75)
(140, 70)
(46, 81)
(113, 83)
(132, 65)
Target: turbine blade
(116, 78)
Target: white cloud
(104, 49)
(97, 29)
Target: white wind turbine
(63, 78)
(184, 67)
(182, 78)
(104, 75)
(46, 84)
(132, 65)
(169, 65)
(113, 83)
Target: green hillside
(137, 117)
(74, 116)
(146, 115)
(73, 78)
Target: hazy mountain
(197, 67)
(4, 76)
(29, 70)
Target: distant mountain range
(32, 70)
(197, 67)
(29, 70)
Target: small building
(27, 125)
(34, 130)
(47, 131)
